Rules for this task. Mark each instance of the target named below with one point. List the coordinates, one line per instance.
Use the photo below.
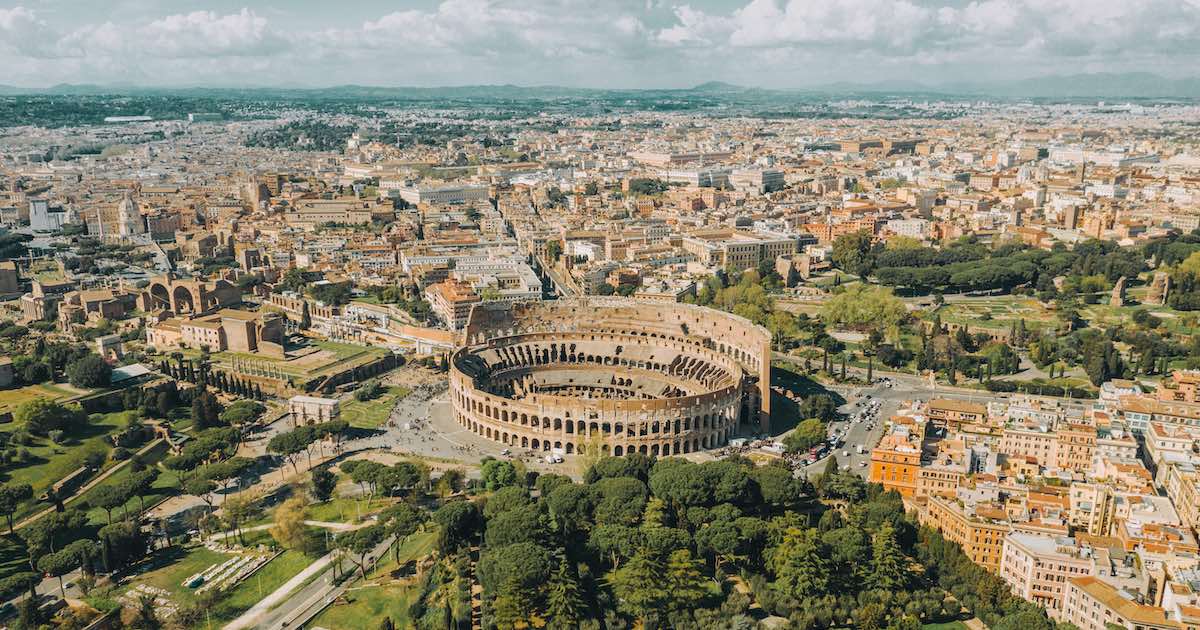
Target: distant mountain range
(1133, 85)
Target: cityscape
(732, 316)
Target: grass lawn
(13, 398)
(263, 583)
(369, 605)
(372, 413)
(167, 484)
(343, 354)
(167, 569)
(1178, 322)
(947, 625)
(50, 462)
(13, 556)
(346, 509)
(998, 313)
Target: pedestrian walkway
(337, 527)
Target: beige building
(227, 329)
(1092, 604)
(313, 410)
(1030, 441)
(979, 529)
(952, 414)
(1076, 442)
(1037, 568)
(452, 301)
(736, 250)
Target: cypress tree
(889, 566)
(564, 605)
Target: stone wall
(714, 366)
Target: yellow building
(945, 412)
(896, 464)
(980, 531)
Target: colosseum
(622, 375)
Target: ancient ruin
(622, 375)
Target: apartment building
(952, 414)
(1036, 441)
(1037, 568)
(896, 464)
(1092, 604)
(979, 528)
(1075, 445)
(452, 301)
(1092, 507)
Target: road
(905, 387)
(298, 608)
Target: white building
(416, 194)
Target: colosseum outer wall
(707, 346)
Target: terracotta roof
(1126, 608)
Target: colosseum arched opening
(629, 375)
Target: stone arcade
(625, 375)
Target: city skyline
(624, 44)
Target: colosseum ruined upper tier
(623, 375)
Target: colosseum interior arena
(622, 375)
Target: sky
(587, 43)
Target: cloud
(196, 35)
(613, 43)
(23, 33)
(988, 31)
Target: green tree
(806, 435)
(889, 566)
(323, 484)
(640, 586)
(821, 407)
(141, 485)
(854, 253)
(564, 604)
(206, 410)
(57, 565)
(864, 306)
(291, 444)
(496, 474)
(12, 495)
(800, 565)
(42, 415)
(359, 543)
(513, 608)
(108, 498)
(401, 521)
(459, 524)
(89, 372)
(451, 482)
(685, 580)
